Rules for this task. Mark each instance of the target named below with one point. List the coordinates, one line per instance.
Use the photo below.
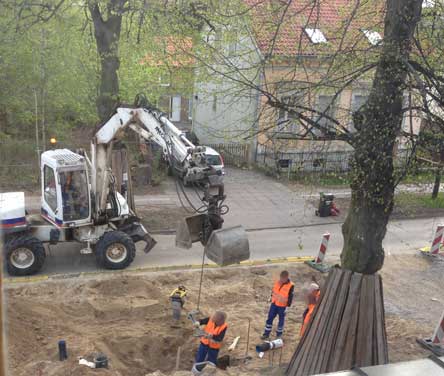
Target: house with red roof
(315, 56)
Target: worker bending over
(281, 298)
(312, 296)
(214, 333)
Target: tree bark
(107, 35)
(378, 124)
(437, 183)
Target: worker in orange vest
(312, 297)
(211, 341)
(281, 298)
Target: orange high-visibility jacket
(307, 318)
(280, 293)
(214, 330)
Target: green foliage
(47, 74)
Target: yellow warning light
(53, 141)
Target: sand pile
(127, 317)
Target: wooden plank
(297, 363)
(318, 324)
(327, 348)
(351, 306)
(365, 325)
(297, 355)
(385, 359)
(347, 358)
(325, 329)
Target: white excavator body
(79, 201)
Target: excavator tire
(25, 255)
(115, 250)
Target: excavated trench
(128, 318)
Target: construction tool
(234, 344)
(198, 332)
(268, 345)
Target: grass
(419, 200)
(322, 180)
(422, 177)
(343, 179)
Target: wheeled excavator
(80, 203)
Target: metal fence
(295, 161)
(336, 161)
(316, 161)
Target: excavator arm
(187, 160)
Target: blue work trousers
(206, 353)
(272, 313)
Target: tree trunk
(378, 124)
(437, 183)
(342, 335)
(107, 35)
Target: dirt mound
(128, 318)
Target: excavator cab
(65, 188)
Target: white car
(214, 159)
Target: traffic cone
(318, 262)
(436, 343)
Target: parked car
(214, 159)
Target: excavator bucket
(228, 246)
(189, 231)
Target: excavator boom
(190, 160)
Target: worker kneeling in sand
(281, 298)
(312, 296)
(211, 341)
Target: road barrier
(318, 262)
(436, 343)
(435, 247)
(438, 335)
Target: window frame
(331, 113)
(46, 185)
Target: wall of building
(223, 111)
(349, 100)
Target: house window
(287, 120)
(175, 107)
(232, 48)
(358, 100)
(325, 109)
(214, 103)
(316, 36)
(164, 104)
(164, 79)
(407, 112)
(190, 108)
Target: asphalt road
(402, 237)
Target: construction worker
(281, 298)
(177, 298)
(213, 335)
(312, 296)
